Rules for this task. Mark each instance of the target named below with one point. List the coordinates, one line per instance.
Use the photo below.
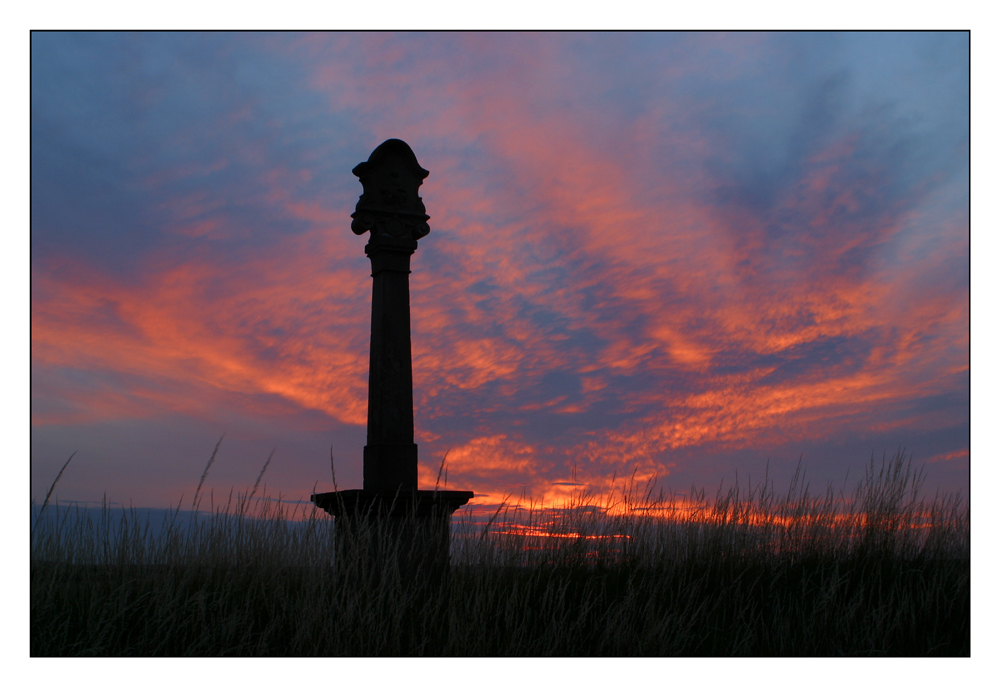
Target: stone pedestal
(390, 521)
(386, 532)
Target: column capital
(389, 207)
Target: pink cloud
(565, 239)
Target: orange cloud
(588, 292)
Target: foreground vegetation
(880, 572)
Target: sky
(688, 257)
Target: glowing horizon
(677, 256)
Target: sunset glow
(685, 258)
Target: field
(878, 571)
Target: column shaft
(390, 460)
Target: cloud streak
(648, 252)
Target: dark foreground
(750, 574)
(808, 608)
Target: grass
(878, 572)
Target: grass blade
(194, 502)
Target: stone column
(393, 214)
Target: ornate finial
(389, 205)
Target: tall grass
(879, 571)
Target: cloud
(640, 245)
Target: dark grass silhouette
(879, 572)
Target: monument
(417, 523)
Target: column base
(391, 502)
(404, 533)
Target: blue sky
(681, 256)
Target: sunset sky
(687, 256)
